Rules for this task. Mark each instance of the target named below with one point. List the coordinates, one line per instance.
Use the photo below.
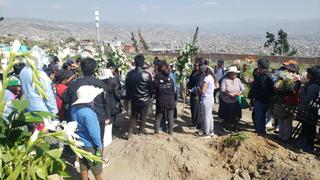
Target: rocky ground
(237, 153)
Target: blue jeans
(260, 110)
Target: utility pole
(97, 19)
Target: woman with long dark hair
(164, 95)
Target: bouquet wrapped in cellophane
(284, 80)
(247, 68)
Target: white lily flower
(70, 129)
(79, 143)
(34, 136)
(49, 124)
(39, 56)
(16, 45)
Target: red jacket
(60, 88)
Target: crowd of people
(94, 102)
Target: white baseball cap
(86, 94)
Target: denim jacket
(36, 103)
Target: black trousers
(215, 92)
(163, 123)
(309, 133)
(168, 116)
(141, 112)
(102, 126)
(195, 110)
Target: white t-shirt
(210, 81)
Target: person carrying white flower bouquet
(88, 128)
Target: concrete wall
(216, 56)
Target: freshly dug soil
(190, 157)
(237, 153)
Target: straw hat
(233, 69)
(290, 62)
(86, 94)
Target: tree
(70, 39)
(281, 45)
(143, 42)
(134, 42)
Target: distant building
(128, 49)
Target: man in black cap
(262, 92)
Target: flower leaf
(20, 105)
(55, 153)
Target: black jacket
(262, 88)
(164, 92)
(139, 86)
(101, 102)
(194, 80)
(114, 95)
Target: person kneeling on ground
(88, 128)
(164, 95)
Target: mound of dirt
(238, 156)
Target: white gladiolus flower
(16, 45)
(69, 130)
(34, 136)
(39, 57)
(112, 48)
(184, 73)
(49, 124)
(79, 143)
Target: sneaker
(175, 126)
(77, 165)
(269, 125)
(308, 149)
(213, 135)
(199, 133)
(106, 163)
(205, 137)
(129, 135)
(276, 130)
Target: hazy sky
(160, 11)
